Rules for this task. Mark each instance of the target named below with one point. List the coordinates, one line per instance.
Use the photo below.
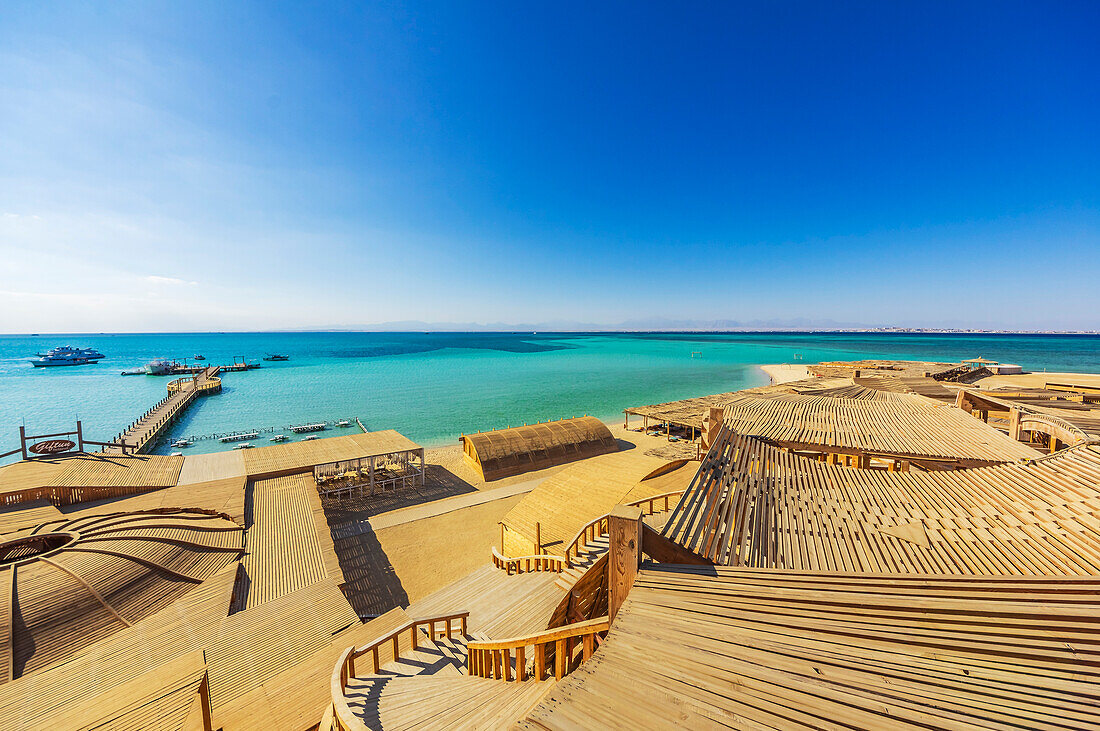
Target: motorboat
(139, 371)
(158, 367)
(343, 423)
(200, 357)
(246, 445)
(278, 438)
(310, 438)
(182, 443)
(275, 356)
(176, 454)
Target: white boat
(68, 351)
(310, 439)
(343, 423)
(246, 445)
(158, 367)
(176, 454)
(278, 438)
(182, 443)
(239, 437)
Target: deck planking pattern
(702, 647)
(80, 477)
(302, 456)
(284, 544)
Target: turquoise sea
(432, 386)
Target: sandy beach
(785, 372)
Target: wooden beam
(661, 549)
(624, 527)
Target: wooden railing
(598, 527)
(345, 666)
(647, 504)
(554, 651)
(527, 564)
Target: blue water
(433, 386)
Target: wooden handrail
(527, 564)
(598, 526)
(493, 658)
(345, 666)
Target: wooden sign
(53, 446)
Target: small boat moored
(278, 438)
(200, 357)
(343, 423)
(182, 443)
(246, 445)
(276, 356)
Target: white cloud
(154, 279)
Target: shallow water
(433, 386)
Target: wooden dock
(143, 432)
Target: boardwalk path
(143, 432)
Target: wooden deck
(80, 477)
(284, 541)
(705, 648)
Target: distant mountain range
(797, 324)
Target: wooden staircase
(429, 687)
(586, 556)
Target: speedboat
(176, 454)
(343, 422)
(158, 367)
(278, 438)
(182, 443)
(200, 357)
(274, 356)
(246, 445)
(310, 439)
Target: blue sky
(193, 166)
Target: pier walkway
(143, 432)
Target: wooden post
(23, 441)
(79, 437)
(502, 553)
(624, 528)
(1014, 424)
(538, 539)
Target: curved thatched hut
(507, 452)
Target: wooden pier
(143, 432)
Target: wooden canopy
(753, 504)
(903, 426)
(507, 452)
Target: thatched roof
(520, 449)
